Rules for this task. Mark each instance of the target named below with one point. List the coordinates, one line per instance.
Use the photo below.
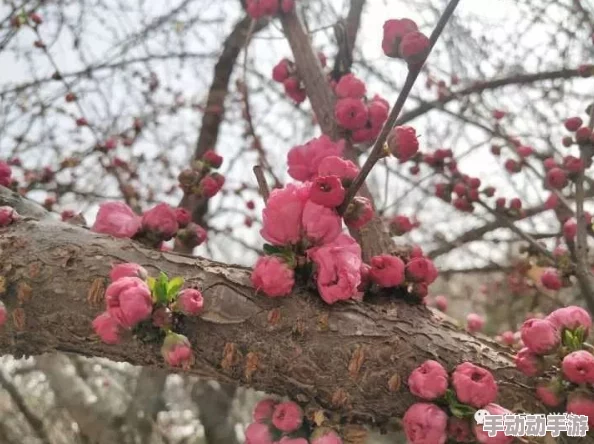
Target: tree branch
(305, 353)
(374, 237)
(214, 112)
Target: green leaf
(580, 334)
(568, 338)
(462, 410)
(173, 287)
(150, 281)
(160, 291)
(271, 249)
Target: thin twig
(413, 73)
(502, 218)
(262, 185)
(583, 273)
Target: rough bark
(349, 358)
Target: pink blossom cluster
(363, 117)
(285, 72)
(282, 423)
(402, 39)
(555, 352)
(160, 223)
(303, 228)
(301, 231)
(133, 297)
(413, 271)
(200, 180)
(449, 404)
(268, 8)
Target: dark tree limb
(215, 403)
(215, 105)
(374, 237)
(297, 346)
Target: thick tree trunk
(349, 358)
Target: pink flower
(359, 213)
(500, 438)
(327, 437)
(264, 409)
(280, 72)
(387, 270)
(350, 86)
(327, 191)
(190, 302)
(261, 8)
(7, 216)
(336, 166)
(305, 160)
(414, 47)
(425, 423)
(459, 430)
(213, 159)
(212, 184)
(394, 30)
(321, 224)
(351, 113)
(557, 178)
(378, 113)
(507, 337)
(338, 268)
(570, 229)
(474, 385)
(578, 367)
(287, 416)
(258, 433)
(540, 336)
(5, 174)
(550, 279)
(441, 302)
(116, 219)
(421, 269)
(177, 351)
(551, 202)
(160, 220)
(571, 318)
(403, 143)
(127, 270)
(474, 322)
(400, 225)
(528, 363)
(183, 217)
(273, 277)
(294, 89)
(549, 394)
(162, 317)
(281, 218)
(129, 301)
(580, 403)
(106, 328)
(192, 236)
(429, 381)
